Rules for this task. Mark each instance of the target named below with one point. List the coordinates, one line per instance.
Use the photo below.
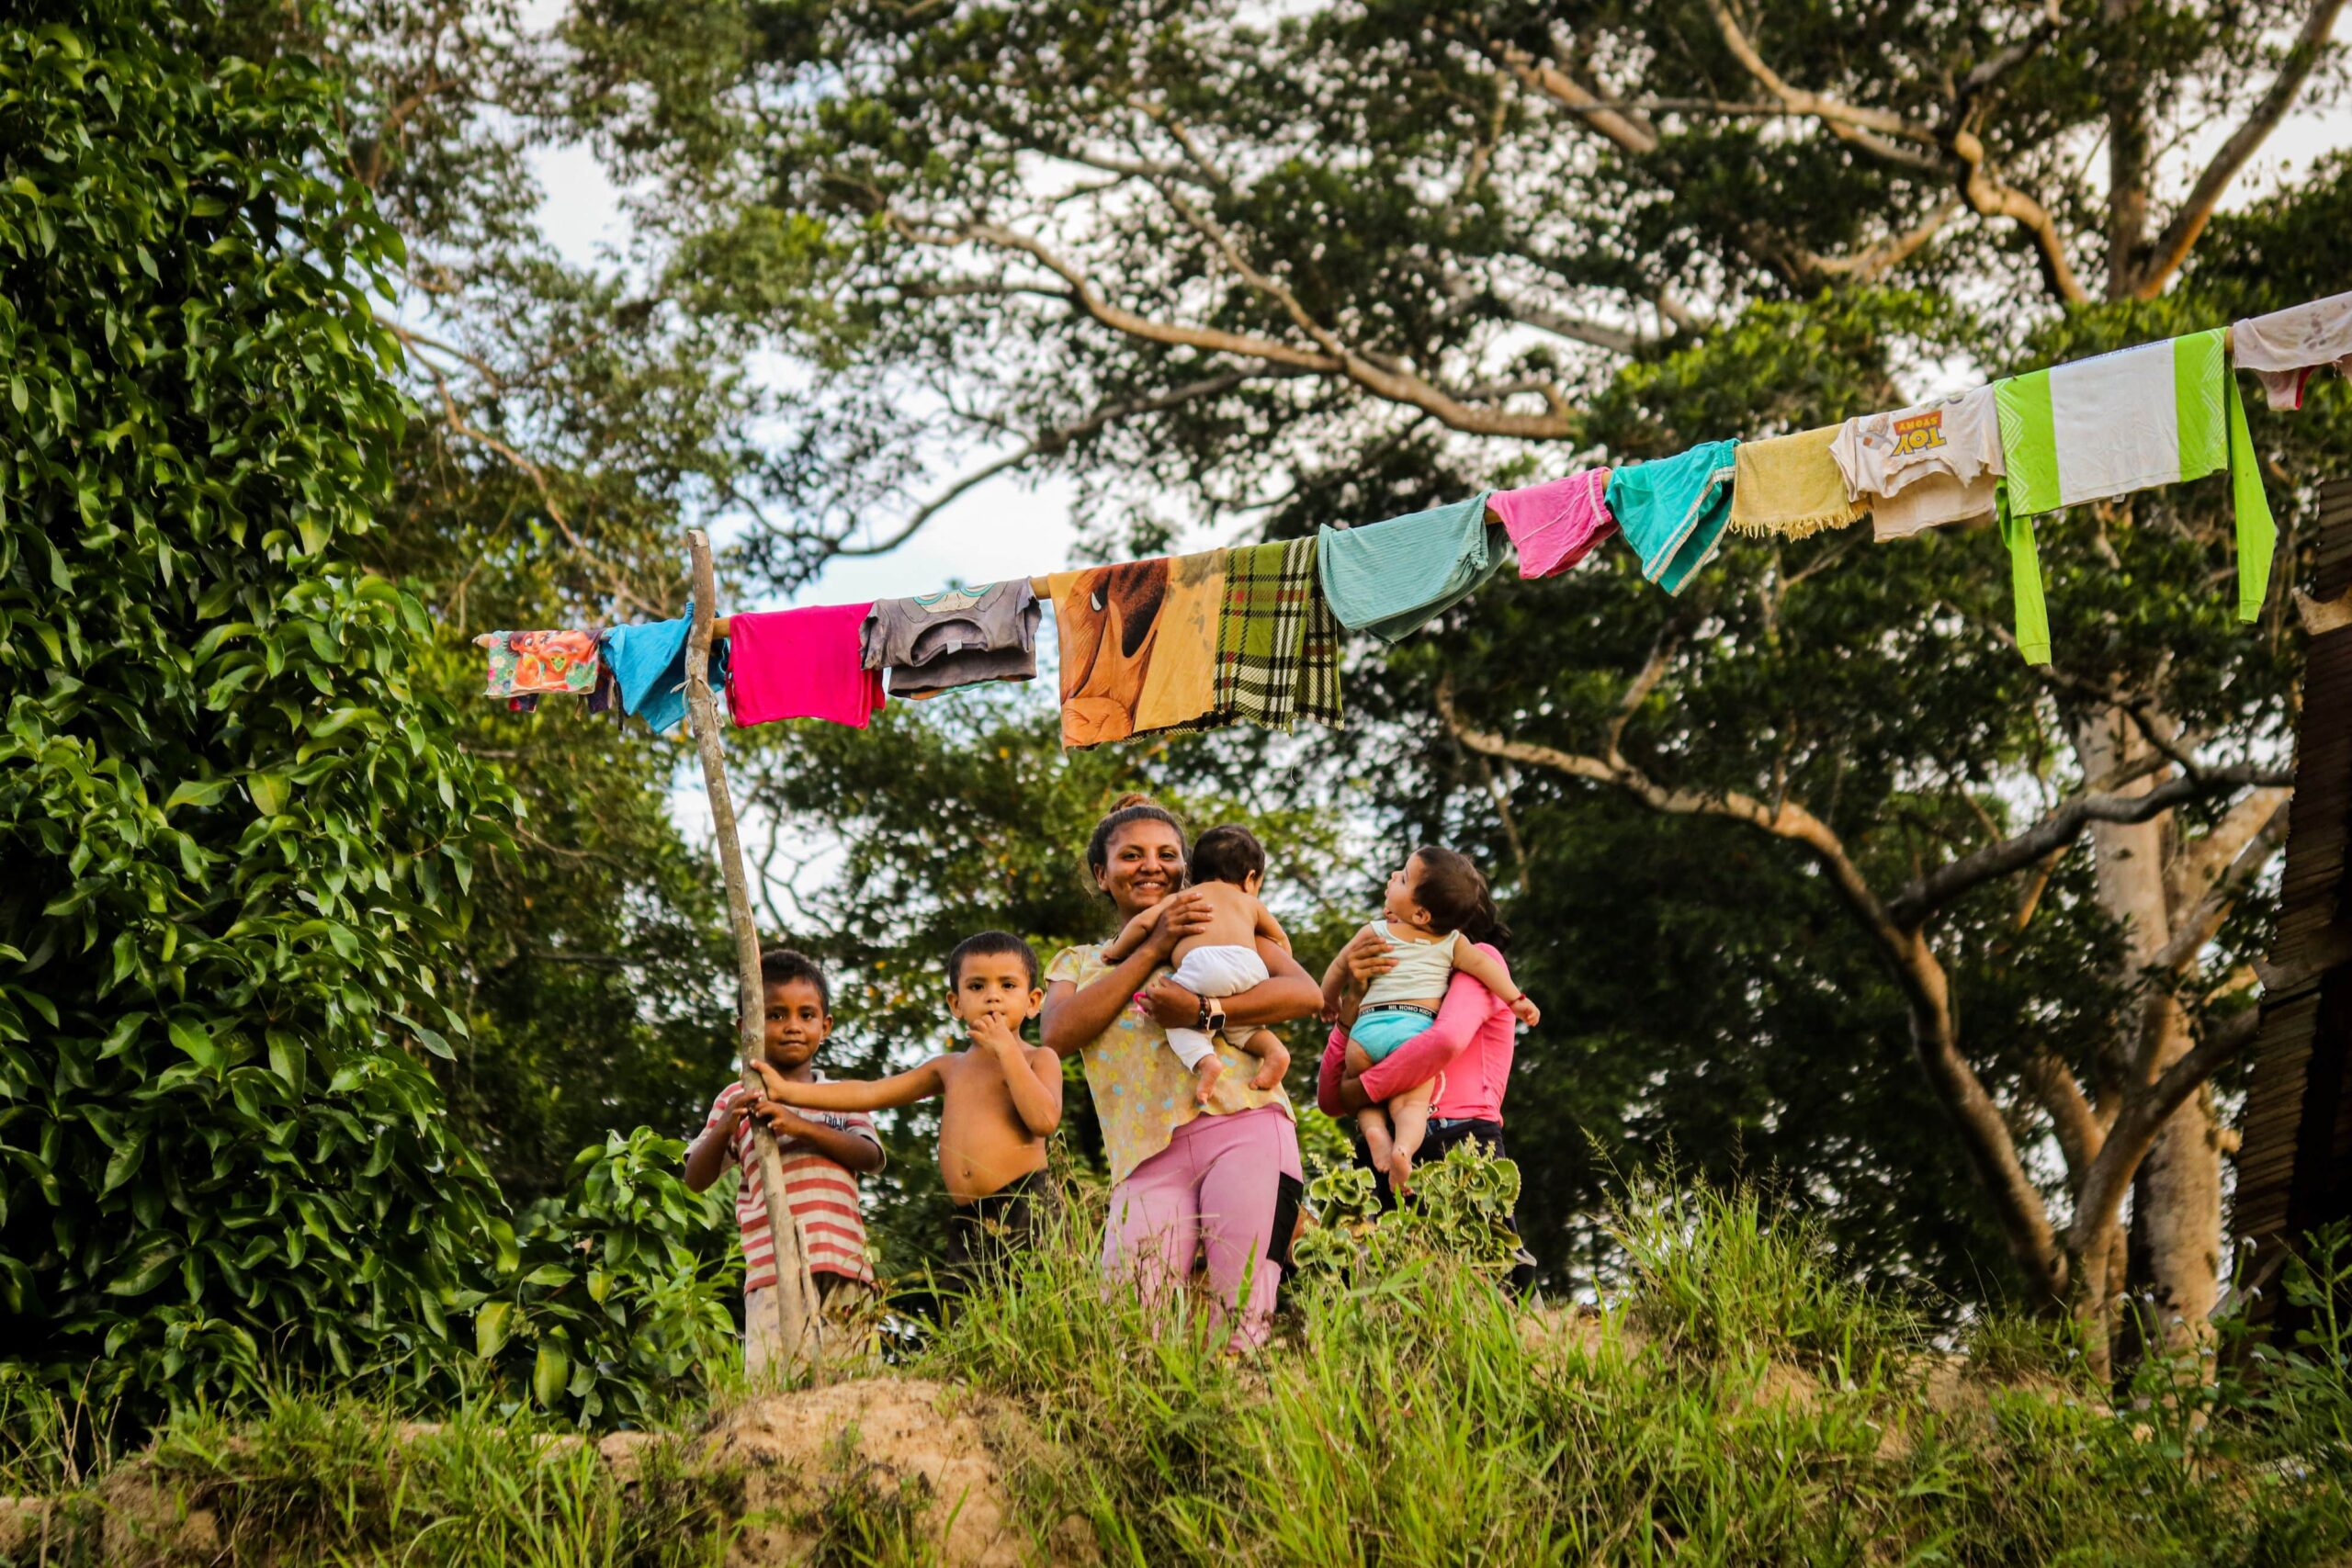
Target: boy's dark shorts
(985, 1231)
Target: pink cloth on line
(802, 665)
(1555, 526)
(1472, 1043)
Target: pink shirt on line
(1472, 1043)
(808, 664)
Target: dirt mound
(885, 1455)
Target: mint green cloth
(1673, 511)
(1392, 578)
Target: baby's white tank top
(1424, 969)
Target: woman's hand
(1367, 954)
(1173, 919)
(1170, 1005)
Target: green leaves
(215, 773)
(616, 1295)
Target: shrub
(234, 831)
(613, 1302)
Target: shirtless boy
(1228, 868)
(1002, 1098)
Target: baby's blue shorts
(1382, 1029)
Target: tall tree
(1174, 249)
(237, 825)
(565, 424)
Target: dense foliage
(236, 830)
(611, 1299)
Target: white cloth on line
(2284, 347)
(1921, 468)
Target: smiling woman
(1225, 1174)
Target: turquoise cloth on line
(649, 665)
(1673, 511)
(1392, 578)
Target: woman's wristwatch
(1211, 1016)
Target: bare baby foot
(1205, 1078)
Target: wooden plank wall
(2295, 1157)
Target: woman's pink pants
(1226, 1184)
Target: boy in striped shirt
(824, 1153)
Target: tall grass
(1740, 1403)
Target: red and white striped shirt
(823, 1196)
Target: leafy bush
(235, 831)
(612, 1299)
(1460, 1209)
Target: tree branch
(459, 426)
(1385, 380)
(2172, 247)
(2072, 1120)
(1991, 199)
(1924, 895)
(1787, 820)
(1885, 135)
(1879, 131)
(2144, 1112)
(1870, 266)
(1329, 358)
(1631, 133)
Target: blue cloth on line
(1673, 511)
(649, 663)
(1391, 578)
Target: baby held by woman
(1227, 869)
(1437, 908)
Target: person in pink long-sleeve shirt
(1472, 1043)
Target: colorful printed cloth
(1392, 578)
(1790, 485)
(1277, 641)
(521, 664)
(1674, 510)
(1138, 646)
(1555, 526)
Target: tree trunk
(2178, 1192)
(2181, 1184)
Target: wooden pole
(796, 1294)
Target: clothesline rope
(1170, 645)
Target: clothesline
(1252, 633)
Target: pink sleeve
(1468, 1005)
(1327, 1079)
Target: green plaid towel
(1277, 641)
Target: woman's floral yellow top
(1142, 1093)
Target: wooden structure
(2295, 1157)
(800, 1323)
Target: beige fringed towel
(1790, 485)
